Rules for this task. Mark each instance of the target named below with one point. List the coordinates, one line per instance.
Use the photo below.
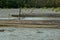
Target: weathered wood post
(19, 13)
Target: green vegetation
(29, 3)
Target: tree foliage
(29, 3)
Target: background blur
(29, 3)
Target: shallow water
(12, 33)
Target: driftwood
(41, 22)
(30, 22)
(28, 25)
(37, 15)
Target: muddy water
(11, 33)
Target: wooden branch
(37, 15)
